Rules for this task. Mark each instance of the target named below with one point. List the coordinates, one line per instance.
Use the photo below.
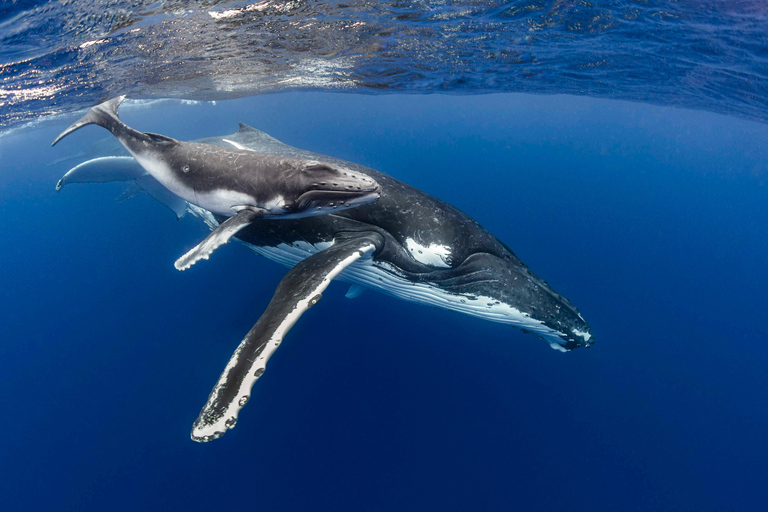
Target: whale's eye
(185, 169)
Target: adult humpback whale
(407, 244)
(233, 182)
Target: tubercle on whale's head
(322, 188)
(571, 338)
(559, 322)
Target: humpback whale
(237, 183)
(408, 244)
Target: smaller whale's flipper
(355, 291)
(103, 114)
(217, 238)
(129, 193)
(159, 193)
(298, 291)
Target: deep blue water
(651, 220)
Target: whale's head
(524, 297)
(503, 289)
(318, 188)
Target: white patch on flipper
(434, 255)
(557, 346)
(581, 334)
(209, 431)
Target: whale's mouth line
(338, 193)
(339, 198)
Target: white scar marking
(237, 145)
(434, 255)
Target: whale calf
(237, 183)
(408, 244)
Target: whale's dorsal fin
(244, 128)
(299, 290)
(249, 135)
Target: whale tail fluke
(104, 115)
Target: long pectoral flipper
(103, 170)
(159, 193)
(299, 290)
(217, 238)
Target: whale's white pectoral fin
(217, 238)
(298, 291)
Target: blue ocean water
(651, 219)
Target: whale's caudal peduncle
(239, 183)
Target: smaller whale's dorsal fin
(256, 140)
(244, 128)
(161, 139)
